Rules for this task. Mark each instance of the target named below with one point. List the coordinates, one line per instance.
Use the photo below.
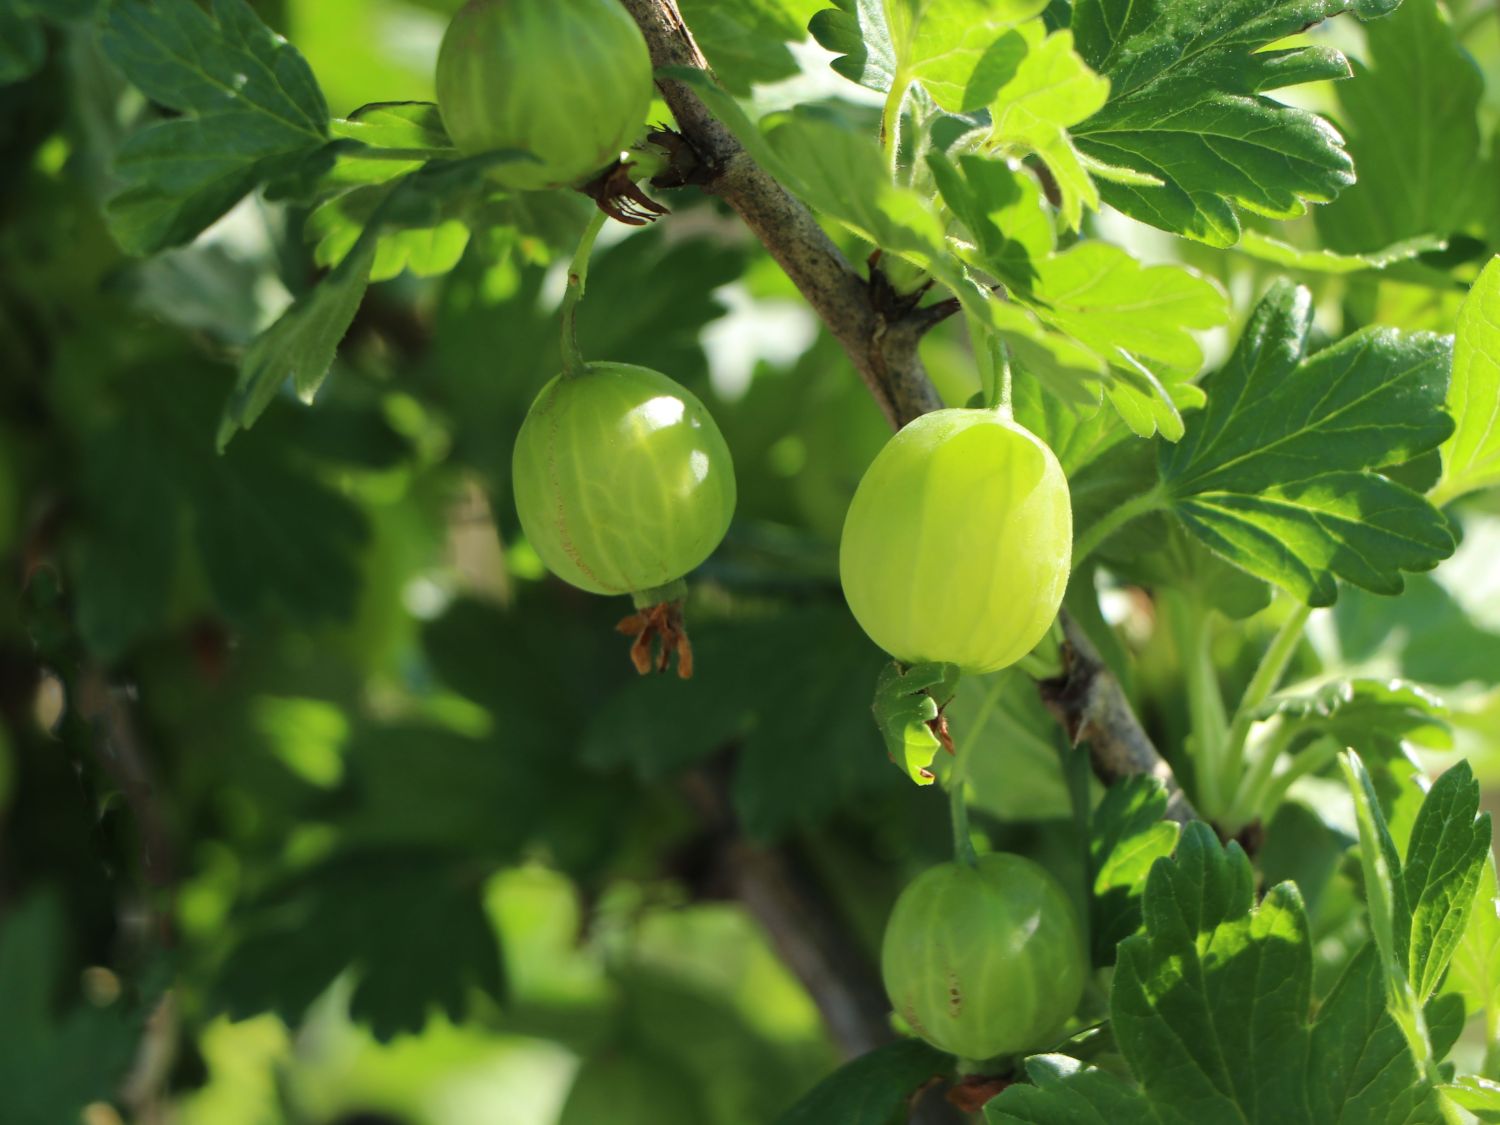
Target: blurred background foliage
(305, 733)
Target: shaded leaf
(1127, 835)
(53, 1062)
(872, 1088)
(410, 927)
(1415, 155)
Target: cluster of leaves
(351, 734)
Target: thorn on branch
(1089, 704)
(684, 166)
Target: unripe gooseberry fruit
(958, 541)
(568, 81)
(984, 960)
(623, 482)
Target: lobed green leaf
(1188, 109)
(1280, 472)
(1471, 455)
(250, 108)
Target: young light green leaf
(856, 31)
(426, 251)
(1475, 969)
(1445, 859)
(838, 171)
(303, 341)
(1359, 712)
(1048, 90)
(1141, 317)
(1471, 456)
(388, 140)
(1385, 890)
(1389, 908)
(1001, 205)
(947, 45)
(1128, 328)
(1280, 472)
(1188, 106)
(1415, 155)
(870, 1089)
(1259, 245)
(250, 111)
(908, 702)
(1480, 1096)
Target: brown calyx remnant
(939, 728)
(619, 197)
(971, 1092)
(659, 623)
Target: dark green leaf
(1127, 835)
(23, 43)
(249, 107)
(1210, 1008)
(302, 343)
(1188, 107)
(1279, 473)
(1360, 1068)
(1210, 1005)
(791, 692)
(872, 1088)
(492, 791)
(53, 1063)
(411, 927)
(267, 533)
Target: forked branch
(883, 350)
(1088, 700)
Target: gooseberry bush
(1055, 447)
